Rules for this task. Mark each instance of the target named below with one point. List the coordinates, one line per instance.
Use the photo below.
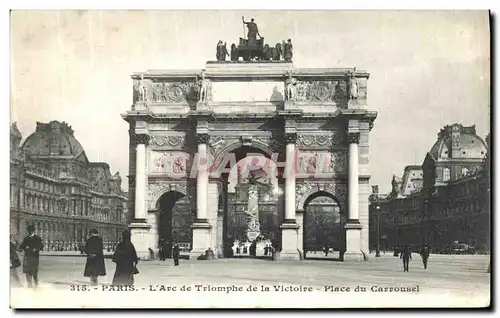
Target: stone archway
(175, 217)
(237, 183)
(322, 226)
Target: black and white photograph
(250, 159)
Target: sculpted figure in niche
(353, 86)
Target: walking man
(425, 255)
(31, 245)
(406, 256)
(94, 266)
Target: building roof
(468, 144)
(54, 139)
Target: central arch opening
(253, 206)
(323, 227)
(174, 224)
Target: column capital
(290, 138)
(141, 139)
(353, 138)
(202, 138)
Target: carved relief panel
(320, 141)
(152, 92)
(321, 91)
(168, 142)
(173, 164)
(174, 93)
(314, 164)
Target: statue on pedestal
(288, 50)
(234, 52)
(221, 51)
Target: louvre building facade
(442, 202)
(54, 187)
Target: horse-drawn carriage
(249, 52)
(253, 49)
(259, 52)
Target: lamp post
(377, 254)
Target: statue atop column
(142, 91)
(353, 85)
(203, 87)
(253, 31)
(290, 87)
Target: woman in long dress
(126, 261)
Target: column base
(201, 239)
(202, 106)
(140, 238)
(353, 251)
(353, 257)
(289, 241)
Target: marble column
(139, 228)
(353, 227)
(201, 227)
(140, 179)
(289, 228)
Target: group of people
(405, 255)
(169, 250)
(125, 258)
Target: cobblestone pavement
(461, 279)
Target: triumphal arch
(248, 150)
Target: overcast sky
(428, 69)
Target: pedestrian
(326, 250)
(94, 266)
(175, 254)
(424, 253)
(31, 245)
(126, 261)
(406, 256)
(14, 263)
(161, 250)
